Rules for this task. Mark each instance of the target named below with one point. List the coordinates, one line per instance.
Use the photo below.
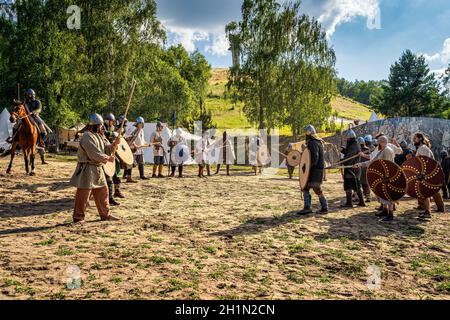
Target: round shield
(124, 152)
(262, 156)
(305, 168)
(110, 168)
(424, 176)
(293, 158)
(180, 154)
(387, 180)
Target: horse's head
(18, 111)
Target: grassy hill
(228, 116)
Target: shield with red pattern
(424, 176)
(387, 180)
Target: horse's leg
(32, 158)
(13, 154)
(25, 157)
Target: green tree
(412, 90)
(286, 72)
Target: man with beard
(352, 175)
(385, 152)
(89, 177)
(423, 148)
(315, 145)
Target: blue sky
(365, 49)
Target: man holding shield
(89, 177)
(317, 166)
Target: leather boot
(180, 171)
(142, 173)
(228, 170)
(112, 201)
(117, 192)
(439, 202)
(361, 199)
(172, 172)
(389, 217)
(348, 203)
(160, 171)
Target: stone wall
(437, 130)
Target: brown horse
(26, 137)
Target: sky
(368, 36)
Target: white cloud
(185, 36)
(337, 12)
(439, 72)
(191, 30)
(191, 37)
(219, 45)
(443, 56)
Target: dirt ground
(217, 238)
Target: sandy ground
(217, 238)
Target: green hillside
(230, 116)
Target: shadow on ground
(28, 209)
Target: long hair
(423, 140)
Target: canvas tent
(5, 129)
(374, 117)
(66, 135)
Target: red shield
(387, 180)
(424, 175)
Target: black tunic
(317, 162)
(352, 176)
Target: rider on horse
(33, 108)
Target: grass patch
(297, 248)
(210, 249)
(116, 279)
(44, 243)
(155, 239)
(250, 275)
(64, 251)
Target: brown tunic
(89, 173)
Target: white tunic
(140, 142)
(423, 150)
(156, 137)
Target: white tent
(374, 117)
(5, 129)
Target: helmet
(361, 140)
(30, 92)
(350, 134)
(403, 144)
(110, 117)
(159, 124)
(140, 120)
(309, 130)
(368, 138)
(178, 132)
(95, 119)
(122, 119)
